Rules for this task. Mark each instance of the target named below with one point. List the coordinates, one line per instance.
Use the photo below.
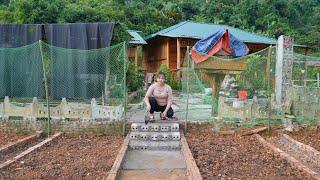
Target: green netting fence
(212, 89)
(51, 73)
(21, 72)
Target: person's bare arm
(146, 98)
(169, 101)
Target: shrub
(253, 77)
(134, 78)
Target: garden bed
(10, 135)
(308, 136)
(68, 157)
(234, 156)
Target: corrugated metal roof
(136, 38)
(189, 29)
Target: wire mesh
(204, 83)
(21, 73)
(53, 73)
(306, 70)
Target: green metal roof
(136, 38)
(189, 29)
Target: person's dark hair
(161, 74)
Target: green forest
(298, 18)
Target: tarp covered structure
(220, 40)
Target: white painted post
(34, 106)
(6, 106)
(94, 109)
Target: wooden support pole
(188, 74)
(167, 53)
(178, 58)
(136, 58)
(268, 64)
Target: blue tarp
(238, 48)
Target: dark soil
(232, 156)
(68, 157)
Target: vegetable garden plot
(231, 156)
(309, 137)
(76, 157)
(8, 136)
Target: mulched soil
(68, 157)
(13, 152)
(307, 136)
(7, 136)
(301, 156)
(232, 156)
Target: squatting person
(159, 98)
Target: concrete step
(153, 160)
(155, 127)
(154, 174)
(136, 144)
(155, 136)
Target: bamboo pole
(269, 96)
(46, 87)
(187, 104)
(318, 79)
(125, 89)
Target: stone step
(135, 144)
(155, 127)
(155, 136)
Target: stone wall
(67, 117)
(67, 126)
(64, 110)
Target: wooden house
(133, 46)
(169, 46)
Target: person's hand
(164, 114)
(148, 108)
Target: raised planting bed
(11, 150)
(68, 157)
(235, 156)
(309, 136)
(10, 135)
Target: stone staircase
(155, 136)
(154, 152)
